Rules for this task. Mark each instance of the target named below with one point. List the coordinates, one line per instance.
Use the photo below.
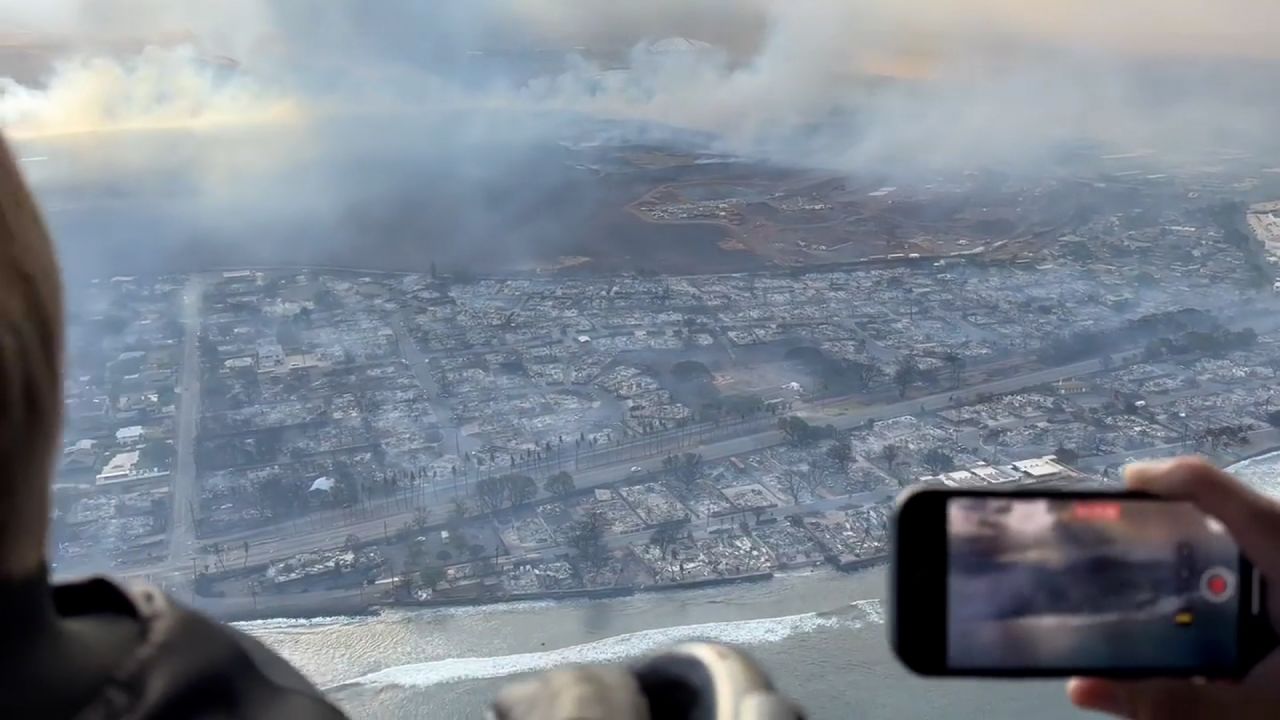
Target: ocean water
(821, 635)
(1262, 472)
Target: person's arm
(1253, 520)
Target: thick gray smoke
(288, 129)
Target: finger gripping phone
(1053, 583)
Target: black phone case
(1256, 636)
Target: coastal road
(1258, 440)
(278, 541)
(330, 602)
(184, 494)
(702, 529)
(331, 525)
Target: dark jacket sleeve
(191, 667)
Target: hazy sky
(1083, 67)
(977, 83)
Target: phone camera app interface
(1062, 583)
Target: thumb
(1252, 518)
(1170, 699)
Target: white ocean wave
(276, 624)
(520, 606)
(621, 647)
(320, 623)
(1262, 472)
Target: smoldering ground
(182, 134)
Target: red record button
(1217, 584)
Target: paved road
(842, 414)
(283, 540)
(1259, 440)
(701, 529)
(454, 441)
(329, 601)
(289, 538)
(185, 493)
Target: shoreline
(351, 603)
(342, 606)
(591, 593)
(301, 606)
(1253, 455)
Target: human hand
(1253, 520)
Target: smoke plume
(323, 125)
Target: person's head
(30, 373)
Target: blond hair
(30, 372)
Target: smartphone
(1054, 583)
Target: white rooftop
(1039, 467)
(129, 434)
(120, 466)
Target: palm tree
(905, 373)
(955, 366)
(421, 517)
(890, 455)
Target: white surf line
(620, 647)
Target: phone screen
(1062, 583)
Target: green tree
(686, 467)
(430, 576)
(797, 430)
(1066, 455)
(208, 349)
(491, 492)
(955, 366)
(519, 489)
(1223, 437)
(559, 484)
(742, 405)
(938, 460)
(586, 537)
(156, 454)
(415, 555)
(840, 452)
(905, 373)
(665, 537)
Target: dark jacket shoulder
(188, 666)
